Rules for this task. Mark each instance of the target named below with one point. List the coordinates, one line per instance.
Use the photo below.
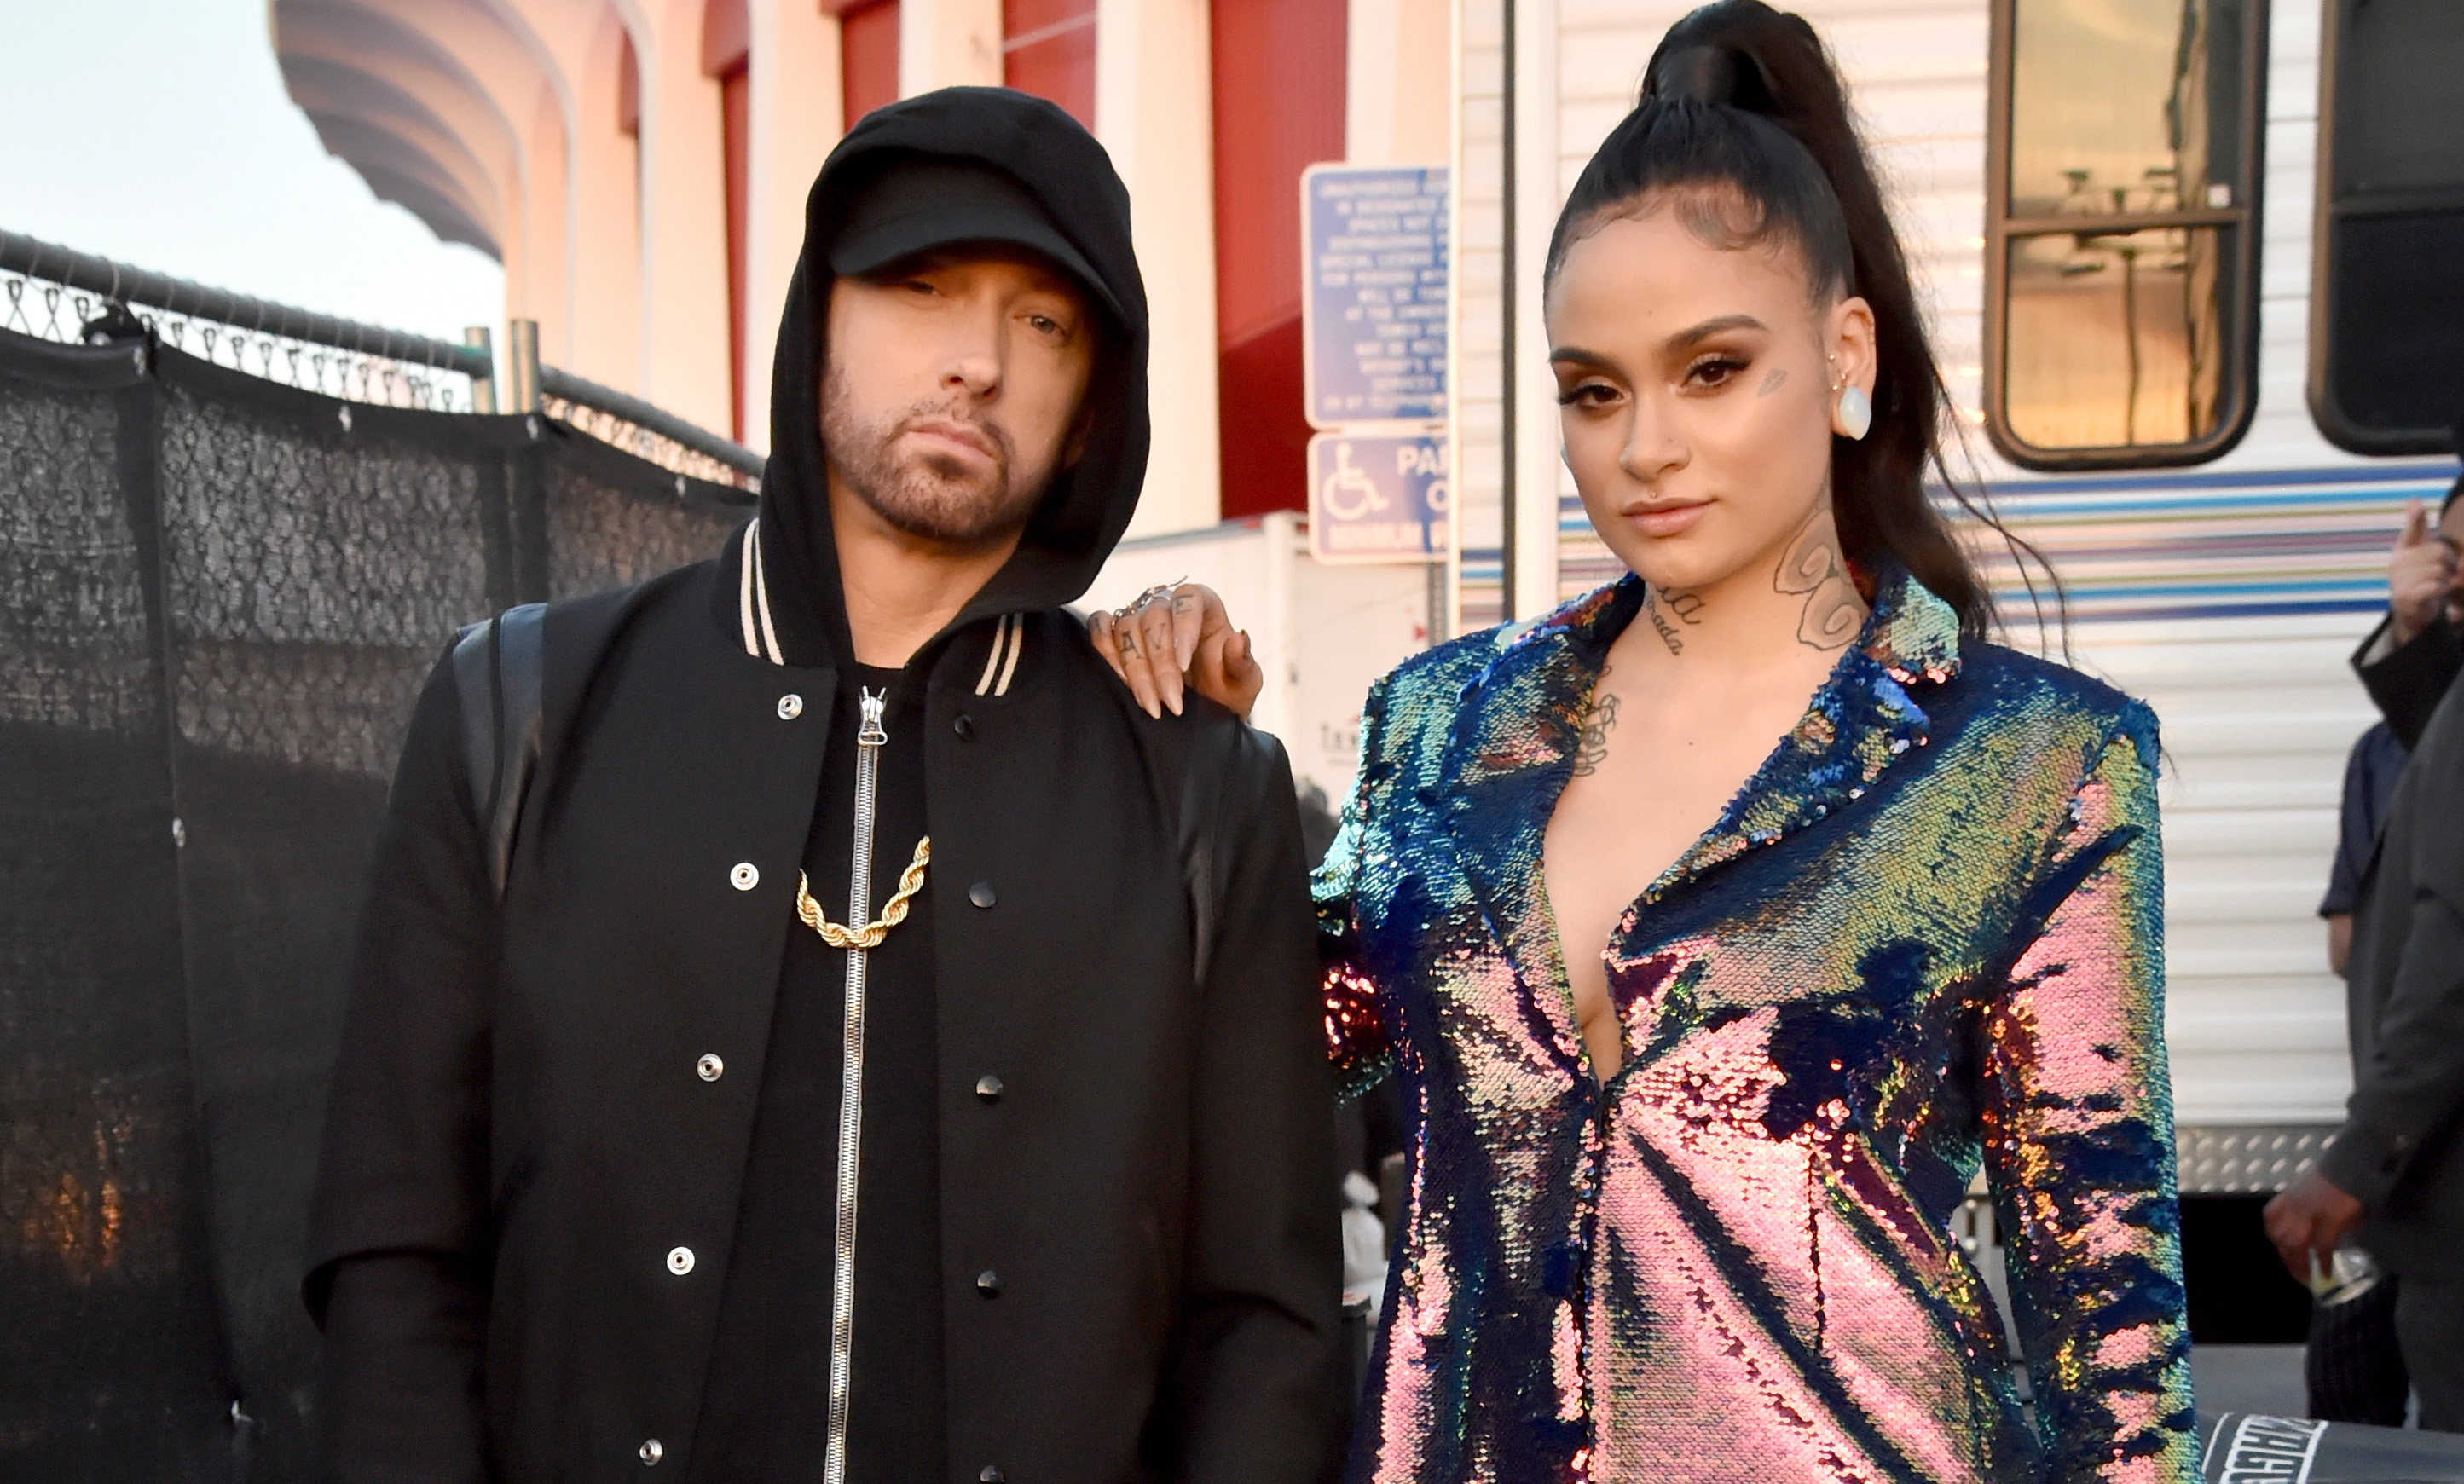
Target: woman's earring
(1853, 416)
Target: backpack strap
(497, 677)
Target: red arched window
(1278, 109)
(628, 89)
(1049, 48)
(867, 56)
(727, 54)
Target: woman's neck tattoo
(1833, 610)
(1686, 606)
(1600, 719)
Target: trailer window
(2387, 300)
(2121, 255)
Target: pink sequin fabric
(1925, 938)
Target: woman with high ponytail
(1727, 926)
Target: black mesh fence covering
(218, 597)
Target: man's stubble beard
(923, 496)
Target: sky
(158, 133)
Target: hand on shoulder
(1170, 641)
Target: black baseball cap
(925, 202)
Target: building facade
(639, 167)
(2191, 307)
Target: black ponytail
(1743, 129)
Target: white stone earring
(1852, 414)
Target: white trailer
(2222, 565)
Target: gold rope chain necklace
(893, 911)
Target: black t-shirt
(765, 1411)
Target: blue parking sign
(1374, 319)
(1378, 496)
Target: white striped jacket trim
(1009, 637)
(762, 638)
(753, 598)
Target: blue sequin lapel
(1507, 760)
(1862, 719)
(1512, 746)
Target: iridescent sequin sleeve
(2080, 1138)
(1356, 1029)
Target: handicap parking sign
(1378, 496)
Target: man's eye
(1045, 323)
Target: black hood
(1089, 503)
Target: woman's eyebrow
(1689, 338)
(1683, 341)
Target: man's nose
(972, 357)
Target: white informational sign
(1373, 263)
(1378, 496)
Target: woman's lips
(1663, 521)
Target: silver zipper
(869, 740)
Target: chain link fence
(225, 571)
(68, 297)
(646, 444)
(645, 431)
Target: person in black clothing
(2394, 1177)
(859, 1044)
(2352, 1363)
(2405, 664)
(2418, 650)
(2391, 1179)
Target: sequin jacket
(1926, 935)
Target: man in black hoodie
(834, 1032)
